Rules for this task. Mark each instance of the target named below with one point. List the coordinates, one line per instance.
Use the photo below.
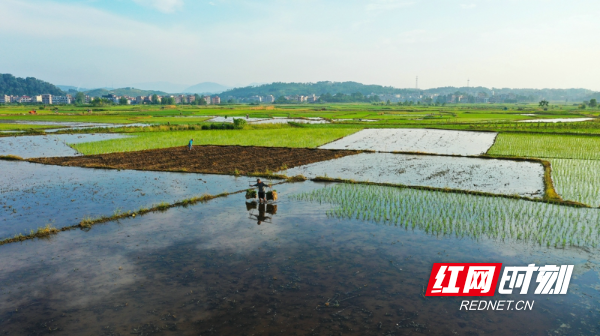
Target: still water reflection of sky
(210, 269)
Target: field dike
(87, 223)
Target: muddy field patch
(204, 159)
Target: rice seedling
(461, 215)
(577, 180)
(547, 146)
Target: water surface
(49, 145)
(33, 195)
(210, 269)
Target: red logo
(448, 279)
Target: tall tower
(468, 82)
(417, 83)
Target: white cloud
(165, 6)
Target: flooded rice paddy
(70, 125)
(210, 269)
(33, 195)
(274, 120)
(48, 145)
(417, 140)
(487, 175)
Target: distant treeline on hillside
(305, 89)
(11, 85)
(128, 91)
(348, 88)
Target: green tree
(197, 99)
(79, 98)
(154, 99)
(202, 101)
(593, 103)
(97, 101)
(281, 100)
(167, 100)
(544, 103)
(239, 123)
(123, 101)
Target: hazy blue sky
(494, 43)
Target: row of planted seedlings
(577, 179)
(462, 215)
(593, 126)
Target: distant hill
(161, 86)
(68, 88)
(30, 86)
(207, 87)
(321, 88)
(128, 91)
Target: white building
(22, 99)
(269, 99)
(62, 100)
(4, 99)
(47, 99)
(207, 99)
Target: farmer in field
(190, 144)
(261, 190)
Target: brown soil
(204, 159)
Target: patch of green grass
(21, 127)
(547, 146)
(277, 137)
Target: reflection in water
(205, 270)
(262, 209)
(33, 195)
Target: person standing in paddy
(261, 190)
(190, 144)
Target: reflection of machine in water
(263, 209)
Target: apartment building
(60, 99)
(216, 100)
(47, 99)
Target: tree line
(30, 86)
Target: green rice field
(462, 215)
(21, 127)
(270, 137)
(547, 146)
(577, 180)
